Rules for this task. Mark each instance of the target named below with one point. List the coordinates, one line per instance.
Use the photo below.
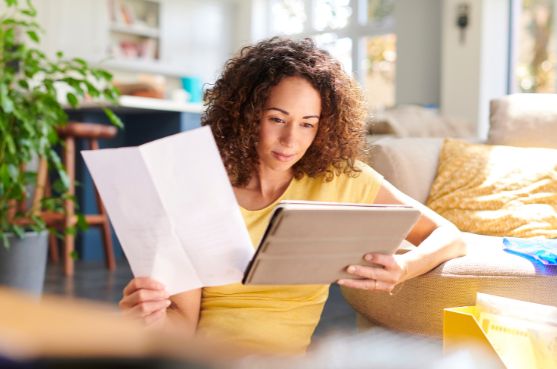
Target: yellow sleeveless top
(279, 319)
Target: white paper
(173, 210)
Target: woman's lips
(282, 157)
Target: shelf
(141, 104)
(147, 66)
(136, 31)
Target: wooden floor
(92, 281)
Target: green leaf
(18, 231)
(80, 61)
(11, 2)
(81, 222)
(114, 119)
(59, 54)
(29, 12)
(72, 99)
(9, 36)
(74, 255)
(23, 84)
(5, 240)
(102, 74)
(33, 36)
(6, 103)
(49, 87)
(31, 9)
(91, 89)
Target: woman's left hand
(384, 273)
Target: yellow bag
(512, 345)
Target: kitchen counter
(143, 104)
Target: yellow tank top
(279, 319)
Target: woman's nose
(287, 135)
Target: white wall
(475, 71)
(418, 30)
(198, 35)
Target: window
(359, 33)
(534, 46)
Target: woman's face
(288, 123)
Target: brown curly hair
(235, 105)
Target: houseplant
(30, 114)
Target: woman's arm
(146, 299)
(184, 310)
(437, 239)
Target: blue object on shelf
(540, 249)
(193, 87)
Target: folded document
(173, 210)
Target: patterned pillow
(497, 190)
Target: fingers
(368, 272)
(143, 295)
(155, 318)
(382, 276)
(387, 261)
(367, 284)
(142, 282)
(142, 290)
(146, 309)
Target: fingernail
(168, 302)
(368, 257)
(340, 282)
(351, 269)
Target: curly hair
(235, 104)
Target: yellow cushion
(497, 190)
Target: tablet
(310, 242)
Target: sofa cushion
(417, 121)
(528, 120)
(408, 163)
(497, 190)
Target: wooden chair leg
(69, 239)
(53, 248)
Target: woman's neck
(264, 188)
(267, 183)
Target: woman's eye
(307, 125)
(276, 120)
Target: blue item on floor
(540, 249)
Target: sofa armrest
(410, 164)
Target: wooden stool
(90, 132)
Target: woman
(289, 124)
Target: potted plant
(30, 114)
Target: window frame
(357, 29)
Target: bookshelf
(134, 31)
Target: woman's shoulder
(342, 186)
(363, 175)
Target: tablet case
(313, 242)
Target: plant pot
(23, 264)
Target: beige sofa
(410, 164)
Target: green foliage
(30, 111)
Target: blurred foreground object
(84, 334)
(377, 349)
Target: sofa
(411, 164)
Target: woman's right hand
(145, 299)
